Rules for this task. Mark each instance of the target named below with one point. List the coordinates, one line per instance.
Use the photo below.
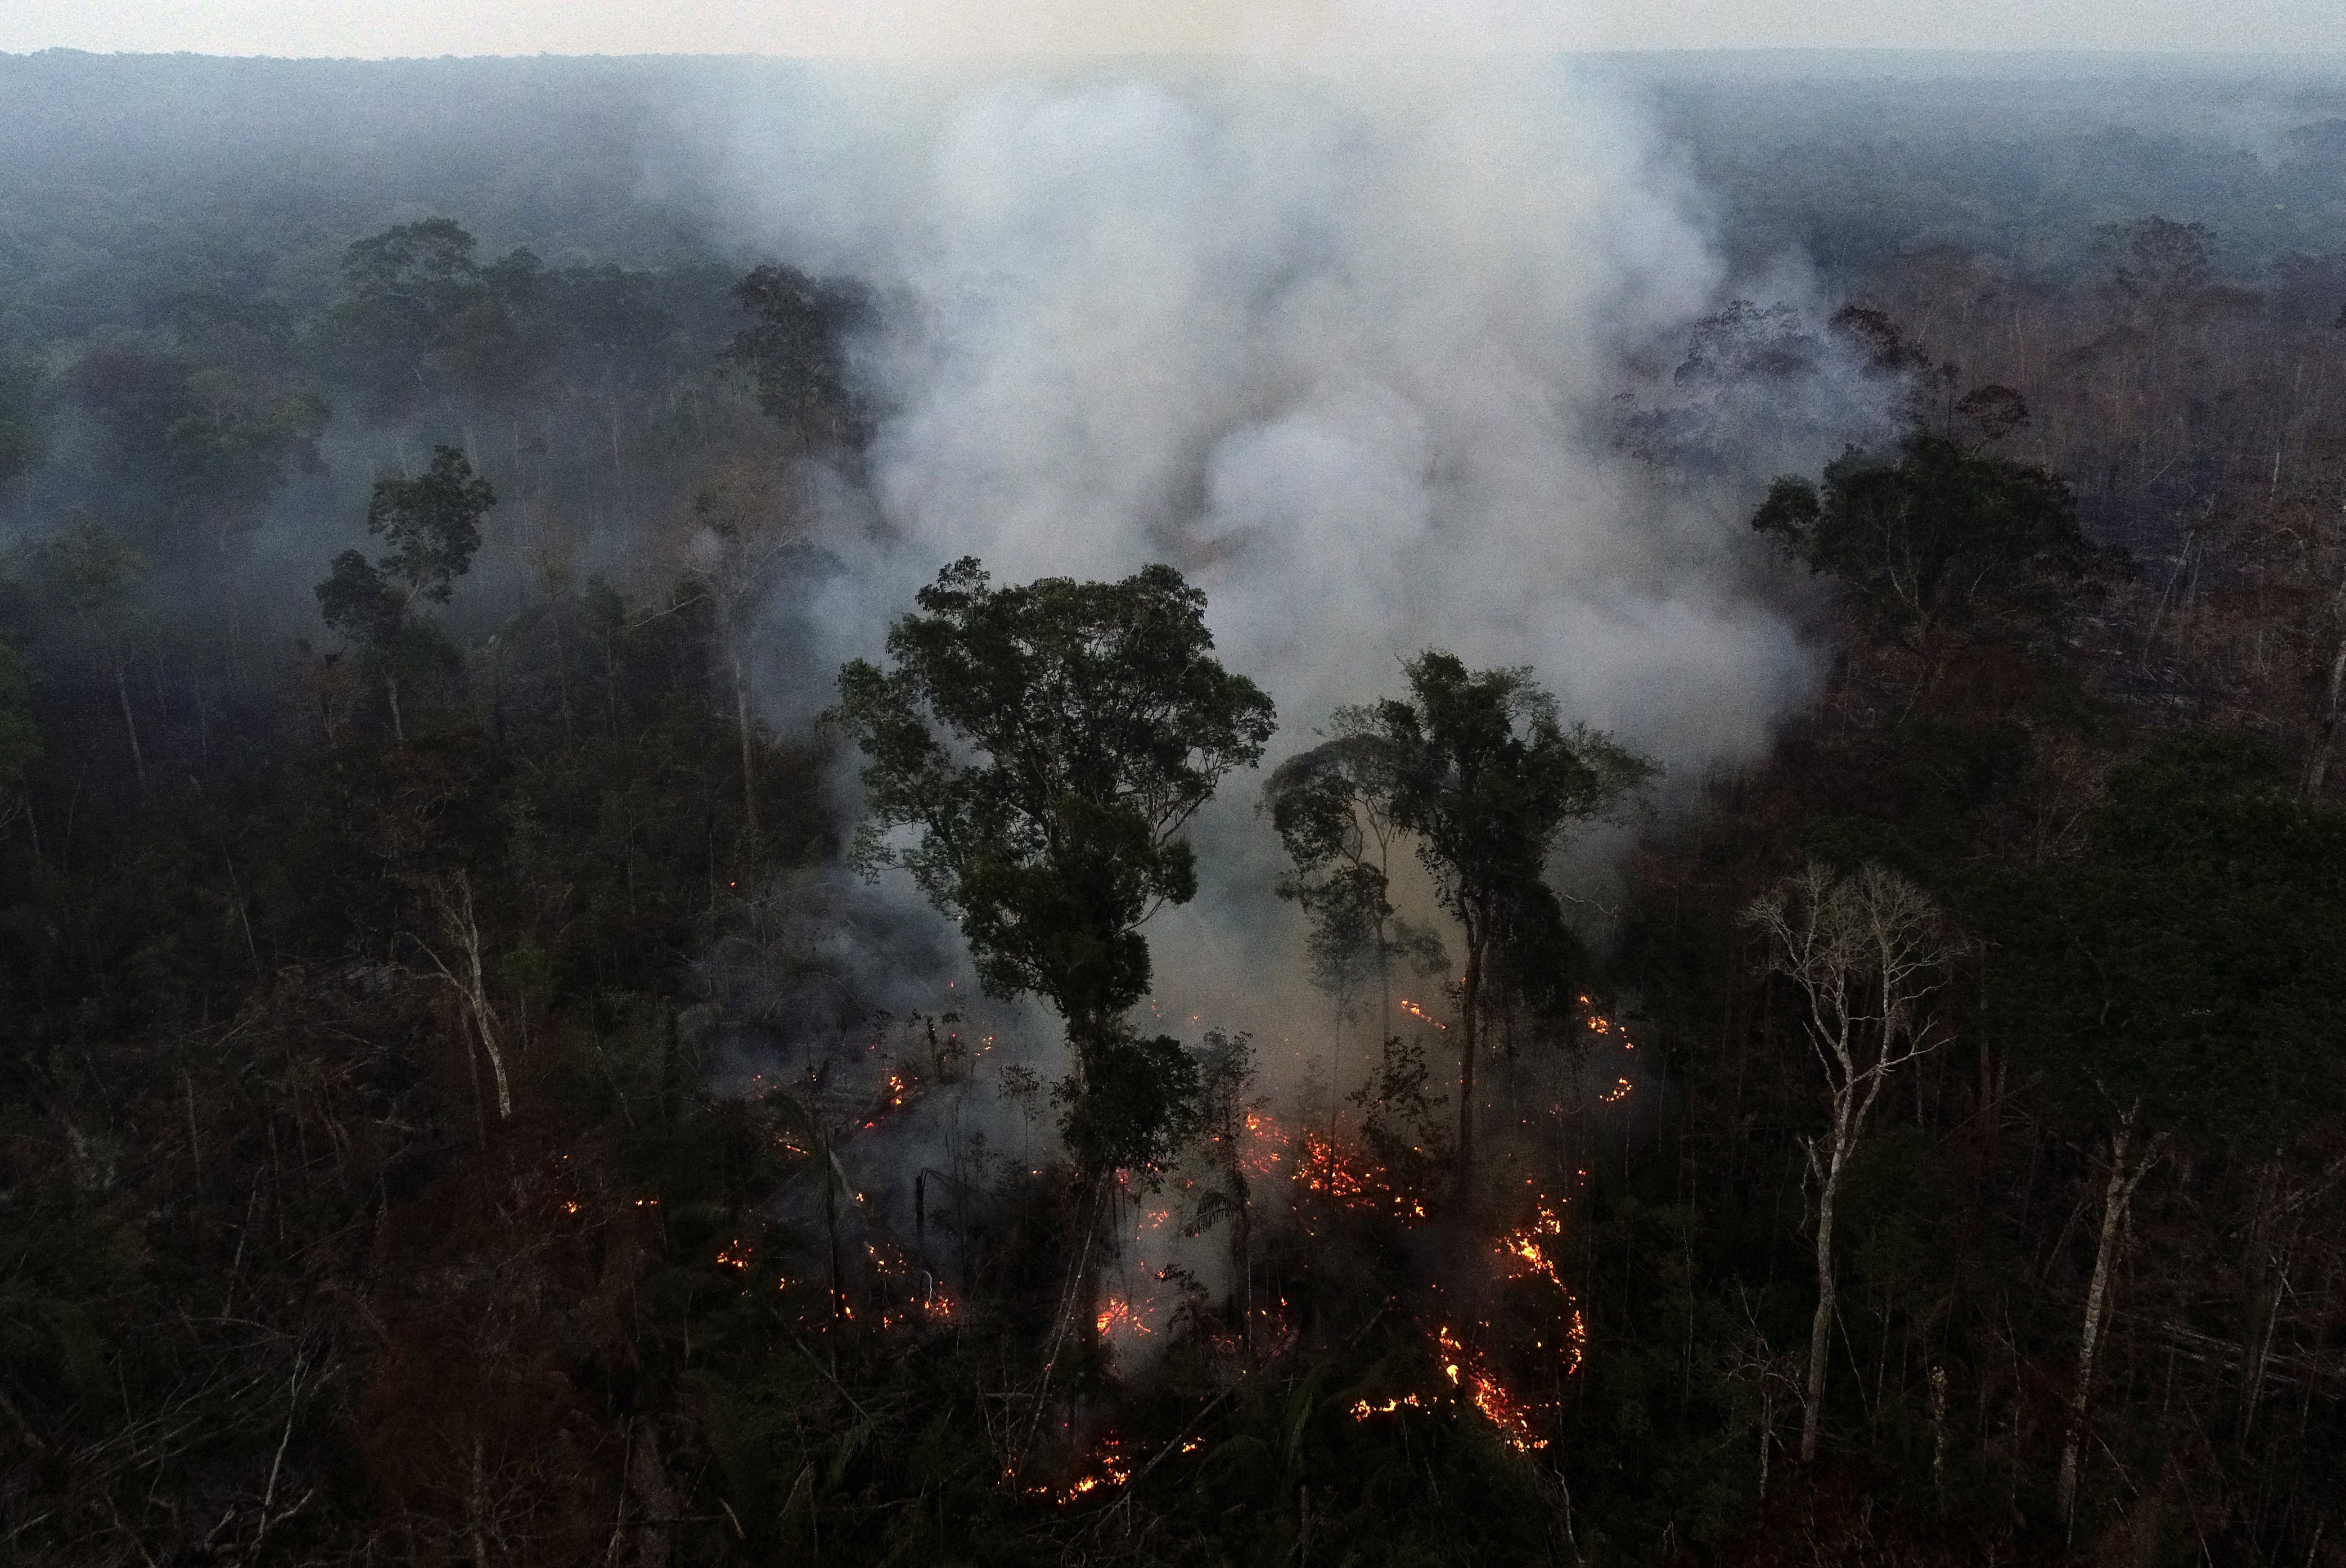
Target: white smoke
(1337, 338)
(1336, 342)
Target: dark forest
(519, 1045)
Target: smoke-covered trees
(432, 524)
(1331, 808)
(1044, 745)
(793, 356)
(1478, 768)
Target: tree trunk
(749, 737)
(2114, 1199)
(2317, 763)
(1820, 1327)
(398, 728)
(1470, 1011)
(454, 900)
(122, 694)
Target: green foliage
(2195, 959)
(1136, 1106)
(432, 523)
(1329, 808)
(1931, 539)
(792, 354)
(1047, 743)
(1478, 768)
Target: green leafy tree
(432, 524)
(1033, 757)
(420, 316)
(2185, 980)
(97, 578)
(792, 355)
(1046, 744)
(1330, 807)
(1934, 538)
(1476, 768)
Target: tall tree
(1046, 744)
(1332, 808)
(793, 356)
(1863, 952)
(1934, 538)
(96, 576)
(432, 524)
(1476, 768)
(735, 537)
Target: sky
(896, 28)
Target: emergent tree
(1478, 770)
(432, 525)
(1046, 744)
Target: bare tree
(451, 898)
(1864, 952)
(2130, 1160)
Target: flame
(1118, 1317)
(1351, 1178)
(1267, 1139)
(1527, 1253)
(1113, 1469)
(1489, 1396)
(1362, 1410)
(1414, 1011)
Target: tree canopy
(1044, 745)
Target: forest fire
(1488, 1395)
(1527, 1254)
(1111, 1469)
(1352, 1180)
(1118, 1316)
(1267, 1142)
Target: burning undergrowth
(925, 1209)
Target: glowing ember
(1350, 1180)
(1111, 1470)
(1414, 1011)
(1362, 1410)
(1118, 1317)
(735, 1256)
(1526, 1252)
(1489, 1396)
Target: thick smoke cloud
(1339, 340)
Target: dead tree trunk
(451, 902)
(2116, 1196)
(1864, 952)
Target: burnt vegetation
(1937, 1154)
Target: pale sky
(916, 27)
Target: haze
(932, 27)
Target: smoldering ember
(1240, 809)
